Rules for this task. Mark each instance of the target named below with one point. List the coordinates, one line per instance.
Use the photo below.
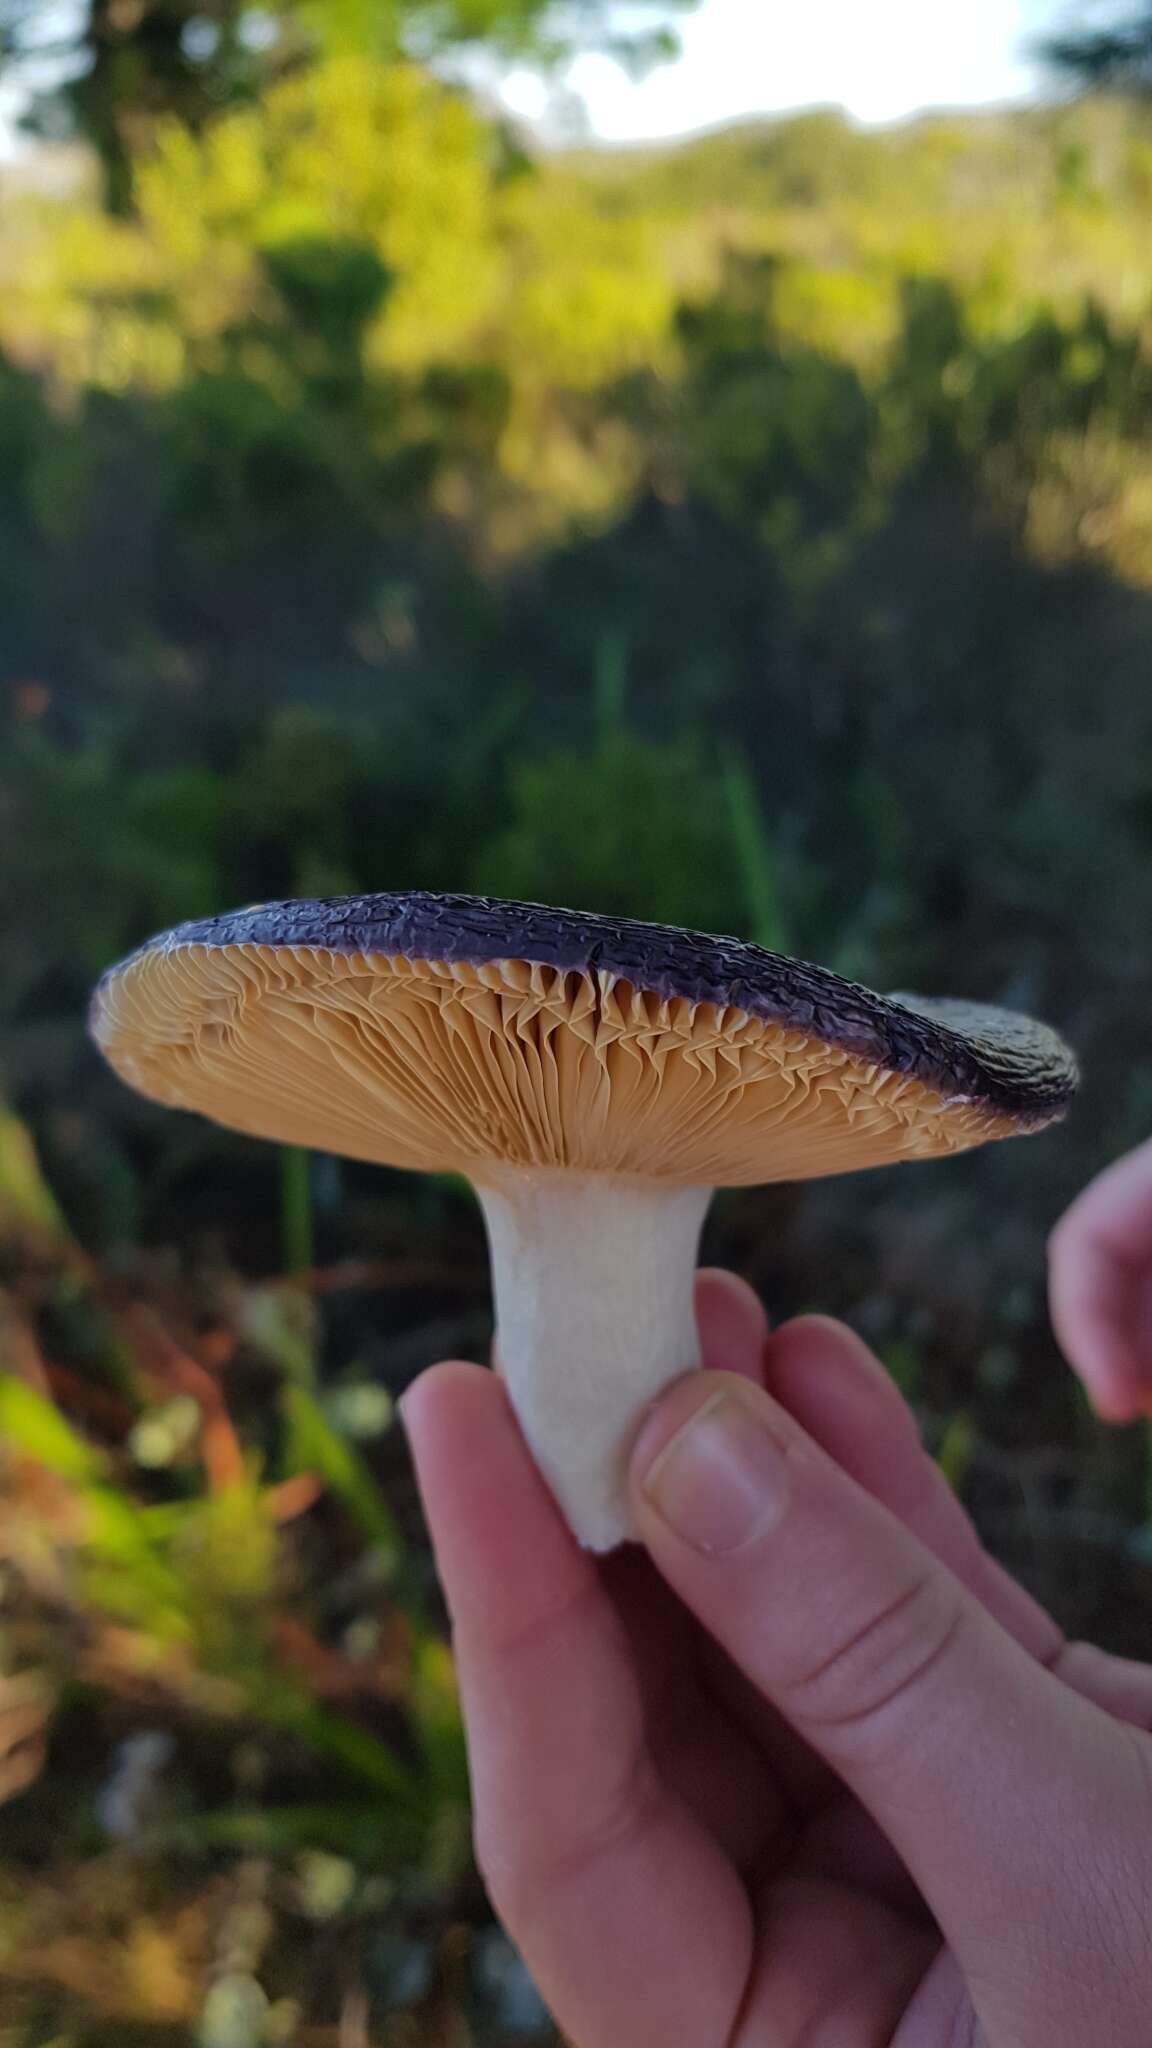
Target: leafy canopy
(1112, 54)
(115, 70)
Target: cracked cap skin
(435, 1031)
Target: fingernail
(722, 1480)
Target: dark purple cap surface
(1019, 1068)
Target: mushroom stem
(593, 1282)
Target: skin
(1100, 1269)
(832, 1782)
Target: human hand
(1100, 1281)
(826, 1775)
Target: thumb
(1001, 1789)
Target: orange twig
(19, 1352)
(176, 1371)
(292, 1497)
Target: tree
(116, 67)
(1115, 56)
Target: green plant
(764, 919)
(296, 1209)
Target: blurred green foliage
(111, 73)
(163, 1574)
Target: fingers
(634, 1923)
(732, 1323)
(1116, 1209)
(987, 1774)
(1100, 1287)
(841, 1395)
(830, 1382)
(1122, 1688)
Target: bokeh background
(752, 531)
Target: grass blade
(766, 921)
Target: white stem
(594, 1317)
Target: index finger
(634, 1923)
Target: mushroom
(594, 1079)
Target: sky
(879, 59)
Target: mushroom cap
(455, 1032)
